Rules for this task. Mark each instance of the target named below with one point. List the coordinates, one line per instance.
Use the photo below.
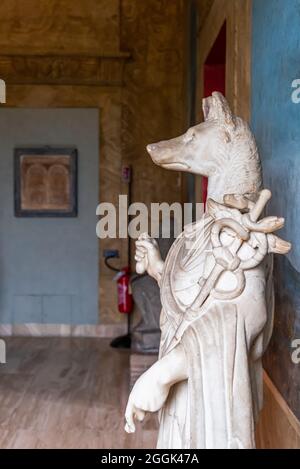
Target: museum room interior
(86, 86)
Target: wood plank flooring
(67, 393)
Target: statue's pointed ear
(207, 107)
(222, 109)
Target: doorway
(214, 78)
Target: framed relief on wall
(45, 182)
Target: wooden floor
(66, 393)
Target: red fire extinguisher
(125, 302)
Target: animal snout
(151, 148)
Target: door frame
(238, 18)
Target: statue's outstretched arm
(152, 388)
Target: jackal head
(221, 147)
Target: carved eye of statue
(190, 136)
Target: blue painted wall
(276, 125)
(49, 266)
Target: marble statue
(216, 293)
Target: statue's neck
(221, 184)
(217, 187)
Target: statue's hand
(147, 395)
(151, 389)
(148, 257)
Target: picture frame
(45, 181)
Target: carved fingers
(148, 256)
(147, 395)
(132, 412)
(142, 245)
(145, 243)
(152, 388)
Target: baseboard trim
(62, 330)
(294, 422)
(278, 427)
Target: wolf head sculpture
(221, 148)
